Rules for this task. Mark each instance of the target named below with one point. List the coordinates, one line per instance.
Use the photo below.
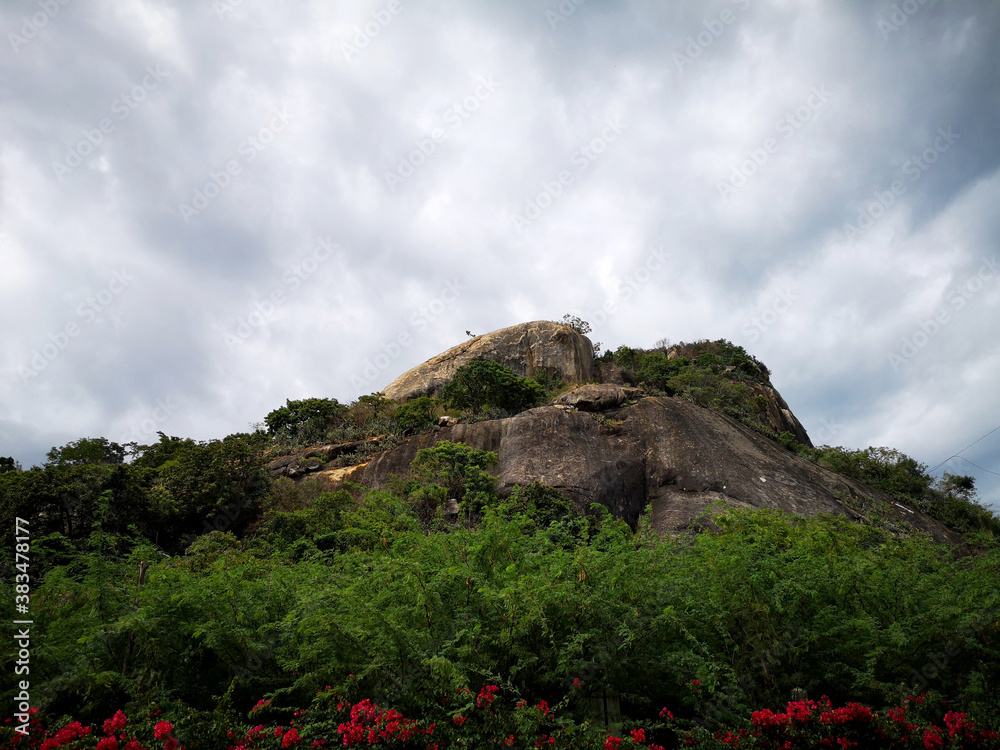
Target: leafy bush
(542, 504)
(460, 471)
(490, 718)
(481, 385)
(417, 414)
(578, 324)
(718, 375)
(357, 595)
(295, 416)
(92, 451)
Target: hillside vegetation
(181, 582)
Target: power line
(959, 454)
(978, 466)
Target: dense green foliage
(95, 451)
(482, 386)
(181, 577)
(951, 499)
(718, 375)
(307, 414)
(417, 414)
(380, 598)
(172, 491)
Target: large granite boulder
(664, 452)
(528, 348)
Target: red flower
(665, 714)
(638, 735)
(170, 743)
(459, 720)
(107, 743)
(69, 733)
(612, 743)
(486, 696)
(133, 744)
(767, 718)
(933, 739)
(162, 730)
(543, 706)
(116, 723)
(291, 738)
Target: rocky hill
(603, 441)
(529, 348)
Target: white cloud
(654, 185)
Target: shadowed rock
(661, 451)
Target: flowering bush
(486, 720)
(75, 736)
(817, 724)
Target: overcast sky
(210, 207)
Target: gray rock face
(596, 397)
(528, 348)
(664, 452)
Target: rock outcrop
(604, 442)
(659, 451)
(528, 348)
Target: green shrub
(296, 416)
(481, 385)
(542, 504)
(417, 414)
